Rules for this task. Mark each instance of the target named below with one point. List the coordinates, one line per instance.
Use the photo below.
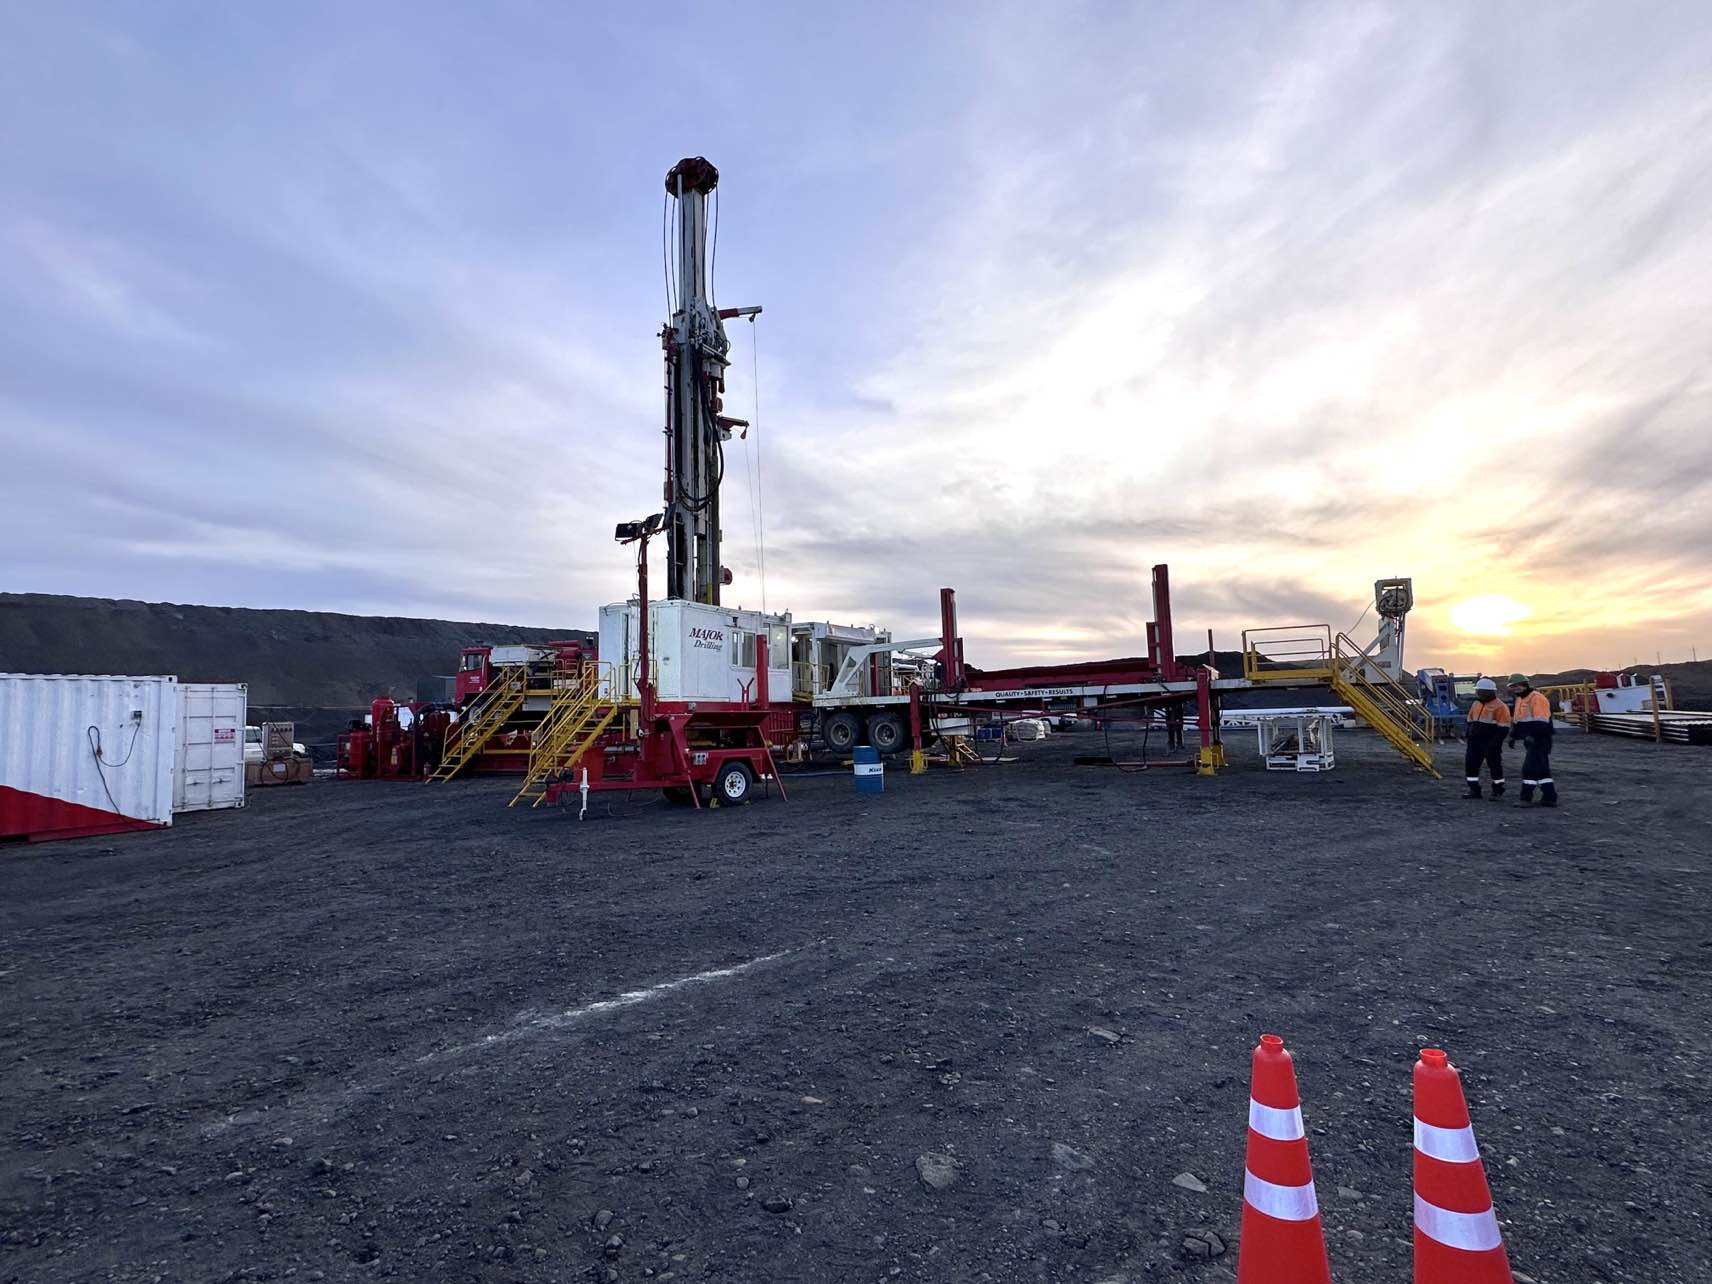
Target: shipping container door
(209, 771)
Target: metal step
(484, 718)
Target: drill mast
(696, 346)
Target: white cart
(1296, 741)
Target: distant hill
(289, 658)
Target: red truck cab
(476, 664)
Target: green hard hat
(1519, 680)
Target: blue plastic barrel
(870, 771)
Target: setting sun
(1491, 615)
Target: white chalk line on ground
(305, 1113)
(529, 1025)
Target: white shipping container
(85, 755)
(208, 768)
(698, 652)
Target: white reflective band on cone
(1270, 1121)
(1471, 1232)
(1286, 1203)
(1452, 1145)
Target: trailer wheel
(841, 732)
(886, 733)
(733, 784)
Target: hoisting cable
(760, 504)
(665, 251)
(1360, 618)
(751, 475)
(695, 503)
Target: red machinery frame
(385, 749)
(677, 745)
(961, 684)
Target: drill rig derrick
(696, 350)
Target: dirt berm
(305, 658)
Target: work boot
(1497, 790)
(1473, 789)
(1548, 795)
(1527, 798)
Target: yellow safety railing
(581, 710)
(483, 718)
(1288, 653)
(1563, 697)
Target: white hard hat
(1486, 684)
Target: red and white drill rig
(692, 697)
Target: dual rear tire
(886, 731)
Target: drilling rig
(696, 431)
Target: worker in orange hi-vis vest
(1488, 724)
(1531, 723)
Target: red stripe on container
(37, 817)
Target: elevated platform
(1299, 655)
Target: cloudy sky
(353, 307)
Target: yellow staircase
(1385, 704)
(1308, 655)
(483, 719)
(580, 712)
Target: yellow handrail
(577, 717)
(1286, 650)
(1393, 709)
(484, 716)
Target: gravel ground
(977, 1028)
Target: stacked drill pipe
(1681, 726)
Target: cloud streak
(355, 310)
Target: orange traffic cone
(1282, 1242)
(1456, 1231)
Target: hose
(93, 734)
